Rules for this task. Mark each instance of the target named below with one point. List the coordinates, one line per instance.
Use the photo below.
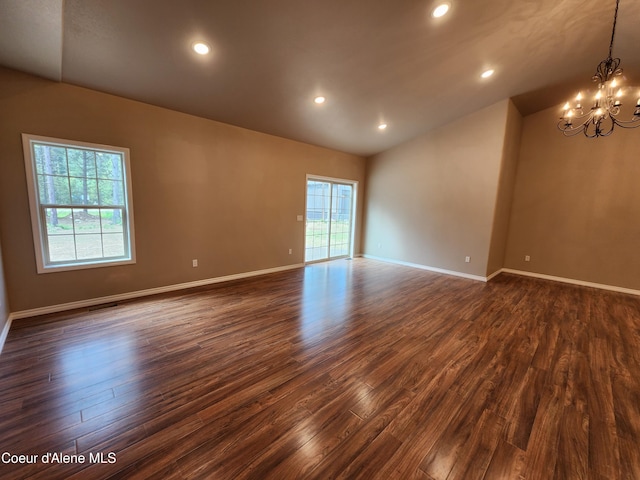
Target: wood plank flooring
(349, 369)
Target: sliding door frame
(354, 202)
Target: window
(80, 198)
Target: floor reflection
(89, 370)
(326, 300)
(99, 359)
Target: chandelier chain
(613, 30)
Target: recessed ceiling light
(201, 48)
(319, 100)
(441, 10)
(487, 73)
(382, 126)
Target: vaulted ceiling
(375, 61)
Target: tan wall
(432, 200)
(201, 189)
(510, 152)
(576, 206)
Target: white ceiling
(375, 60)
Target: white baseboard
(494, 274)
(542, 276)
(572, 281)
(431, 269)
(4, 333)
(144, 293)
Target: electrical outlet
(290, 251)
(194, 262)
(527, 258)
(467, 259)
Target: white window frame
(38, 217)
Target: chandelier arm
(591, 132)
(600, 133)
(590, 135)
(584, 116)
(571, 131)
(627, 123)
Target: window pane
(50, 160)
(82, 163)
(54, 189)
(38, 150)
(75, 162)
(61, 248)
(42, 189)
(109, 165)
(84, 191)
(59, 221)
(111, 192)
(86, 221)
(113, 244)
(111, 220)
(55, 160)
(89, 246)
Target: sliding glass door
(329, 227)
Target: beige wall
(504, 199)
(576, 206)
(432, 201)
(201, 189)
(229, 196)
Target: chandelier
(599, 119)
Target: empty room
(311, 240)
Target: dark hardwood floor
(350, 369)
